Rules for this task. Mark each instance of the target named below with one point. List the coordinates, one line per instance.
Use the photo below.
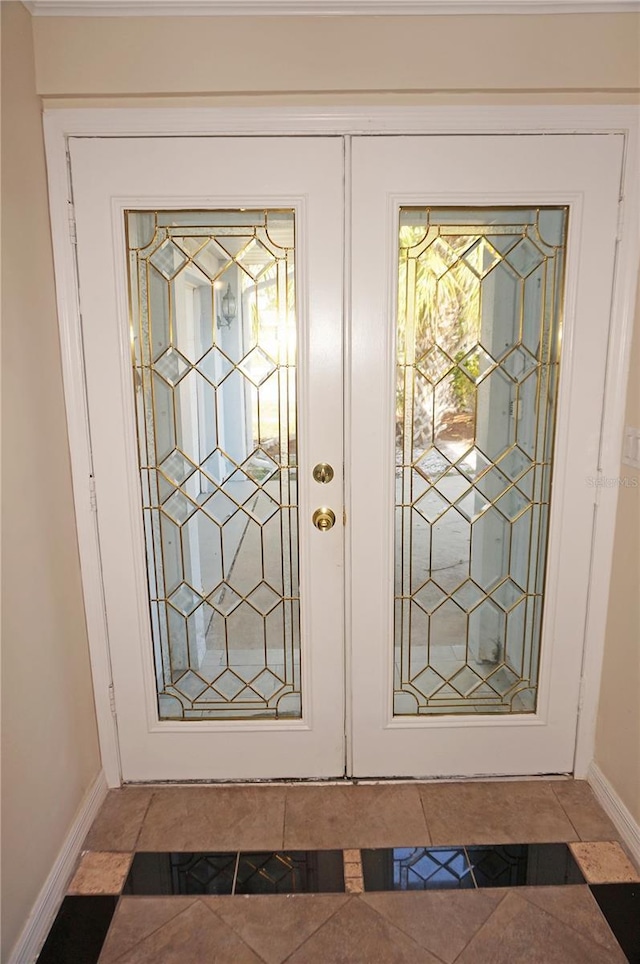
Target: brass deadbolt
(323, 472)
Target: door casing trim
(61, 124)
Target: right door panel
(473, 259)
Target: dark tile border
(156, 873)
(81, 926)
(416, 868)
(446, 868)
(244, 872)
(620, 904)
(79, 930)
(524, 865)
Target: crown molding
(203, 8)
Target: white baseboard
(616, 810)
(38, 924)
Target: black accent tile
(620, 904)
(416, 868)
(519, 865)
(181, 873)
(290, 872)
(79, 930)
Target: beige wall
(199, 55)
(49, 745)
(618, 732)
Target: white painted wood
(620, 815)
(621, 324)
(108, 177)
(61, 124)
(43, 912)
(263, 8)
(583, 172)
(72, 353)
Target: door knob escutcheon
(324, 519)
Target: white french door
(211, 278)
(481, 283)
(224, 603)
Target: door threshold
(347, 781)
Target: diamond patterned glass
(478, 338)
(213, 327)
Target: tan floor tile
(358, 935)
(274, 926)
(101, 873)
(583, 810)
(354, 885)
(135, 919)
(576, 907)
(506, 811)
(604, 862)
(214, 818)
(194, 936)
(118, 823)
(443, 922)
(519, 932)
(354, 816)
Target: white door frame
(62, 124)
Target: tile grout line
(147, 936)
(566, 813)
(349, 898)
(570, 926)
(142, 822)
(508, 891)
(424, 814)
(230, 926)
(396, 926)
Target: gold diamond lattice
(255, 259)
(472, 405)
(431, 505)
(228, 684)
(168, 259)
(184, 599)
(263, 598)
(524, 257)
(217, 420)
(171, 366)
(428, 682)
(267, 684)
(177, 467)
(179, 508)
(435, 364)
(257, 366)
(482, 256)
(225, 599)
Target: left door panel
(210, 282)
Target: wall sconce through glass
(228, 308)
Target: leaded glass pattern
(478, 341)
(213, 326)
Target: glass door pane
(479, 317)
(213, 319)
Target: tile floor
(506, 872)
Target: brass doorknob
(324, 519)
